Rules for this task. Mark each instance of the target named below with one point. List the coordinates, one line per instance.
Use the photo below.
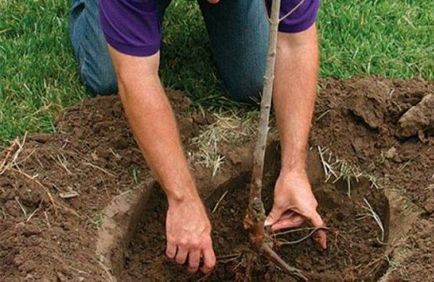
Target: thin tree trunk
(255, 217)
(256, 213)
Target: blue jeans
(238, 32)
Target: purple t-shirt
(132, 26)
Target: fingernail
(267, 222)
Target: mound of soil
(374, 124)
(384, 127)
(355, 251)
(54, 188)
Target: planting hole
(357, 238)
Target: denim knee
(102, 82)
(90, 48)
(247, 90)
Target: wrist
(291, 169)
(181, 192)
(294, 172)
(182, 198)
(293, 164)
(296, 179)
(190, 201)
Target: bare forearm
(294, 94)
(188, 230)
(152, 121)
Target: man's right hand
(187, 225)
(188, 232)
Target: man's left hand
(294, 203)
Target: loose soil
(54, 189)
(355, 250)
(383, 127)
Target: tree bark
(255, 217)
(256, 213)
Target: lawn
(38, 76)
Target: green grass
(37, 69)
(377, 37)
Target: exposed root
(228, 258)
(298, 241)
(270, 253)
(275, 234)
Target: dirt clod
(419, 119)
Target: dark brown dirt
(362, 123)
(53, 193)
(91, 158)
(354, 252)
(386, 140)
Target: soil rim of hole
(125, 222)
